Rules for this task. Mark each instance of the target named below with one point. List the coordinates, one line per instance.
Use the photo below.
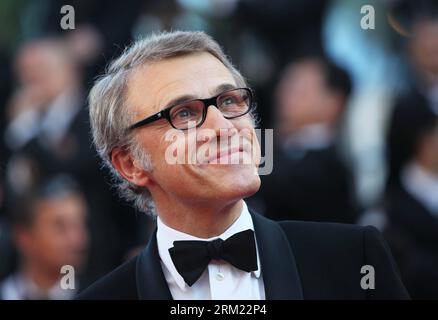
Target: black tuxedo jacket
(412, 233)
(299, 260)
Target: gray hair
(110, 115)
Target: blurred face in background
(57, 236)
(303, 98)
(424, 50)
(44, 70)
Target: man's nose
(215, 120)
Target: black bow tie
(192, 257)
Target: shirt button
(219, 276)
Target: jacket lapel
(151, 283)
(279, 270)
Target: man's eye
(184, 113)
(229, 101)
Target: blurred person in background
(411, 197)
(422, 56)
(271, 34)
(49, 232)
(48, 96)
(41, 107)
(411, 205)
(48, 134)
(310, 180)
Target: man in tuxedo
(310, 101)
(157, 117)
(411, 199)
(49, 134)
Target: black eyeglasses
(187, 115)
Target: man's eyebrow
(218, 90)
(179, 99)
(223, 87)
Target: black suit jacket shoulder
(119, 284)
(299, 260)
(412, 233)
(330, 257)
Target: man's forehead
(198, 75)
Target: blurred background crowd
(354, 113)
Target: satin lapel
(151, 283)
(279, 270)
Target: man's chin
(230, 180)
(243, 186)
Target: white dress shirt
(311, 137)
(422, 185)
(220, 280)
(19, 287)
(50, 126)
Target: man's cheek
(254, 149)
(173, 148)
(256, 154)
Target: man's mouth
(229, 155)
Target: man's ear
(128, 168)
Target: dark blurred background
(354, 113)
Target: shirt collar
(60, 114)
(311, 137)
(422, 185)
(18, 287)
(167, 235)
